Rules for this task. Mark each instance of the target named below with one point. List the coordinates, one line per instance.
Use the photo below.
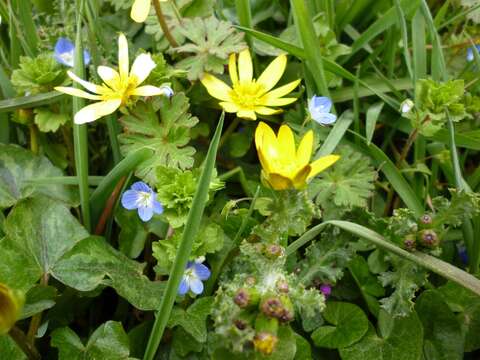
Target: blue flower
(319, 108)
(167, 91)
(65, 52)
(470, 56)
(142, 198)
(193, 276)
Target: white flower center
(144, 199)
(67, 57)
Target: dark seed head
(242, 298)
(426, 219)
(429, 238)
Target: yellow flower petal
(266, 142)
(97, 110)
(272, 74)
(229, 107)
(77, 92)
(142, 67)
(232, 69)
(11, 303)
(283, 90)
(109, 76)
(123, 63)
(279, 182)
(245, 66)
(286, 143)
(140, 10)
(87, 85)
(300, 179)
(263, 110)
(147, 90)
(322, 163)
(268, 101)
(247, 114)
(216, 88)
(304, 151)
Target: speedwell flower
(140, 10)
(470, 55)
(118, 87)
(283, 166)
(142, 198)
(193, 276)
(247, 96)
(11, 304)
(65, 52)
(319, 108)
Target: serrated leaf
(162, 126)
(93, 263)
(108, 342)
(211, 42)
(49, 121)
(349, 325)
(18, 166)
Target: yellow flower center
(247, 94)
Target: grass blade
(403, 27)
(438, 67)
(373, 113)
(419, 45)
(32, 101)
(244, 14)
(336, 134)
(191, 229)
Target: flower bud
(240, 324)
(11, 303)
(406, 106)
(429, 238)
(250, 280)
(272, 307)
(265, 342)
(426, 219)
(245, 297)
(273, 251)
(282, 286)
(410, 242)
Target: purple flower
(319, 108)
(142, 198)
(193, 276)
(462, 253)
(326, 290)
(65, 53)
(470, 55)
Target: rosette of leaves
(348, 184)
(163, 126)
(433, 99)
(38, 75)
(211, 41)
(176, 189)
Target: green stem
(20, 339)
(33, 138)
(231, 128)
(163, 24)
(189, 234)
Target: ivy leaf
(108, 342)
(133, 233)
(166, 133)
(211, 43)
(93, 263)
(18, 166)
(193, 320)
(406, 279)
(347, 184)
(403, 342)
(349, 325)
(443, 334)
(38, 299)
(39, 231)
(49, 121)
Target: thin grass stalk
(80, 134)
(244, 14)
(189, 234)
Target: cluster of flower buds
(423, 235)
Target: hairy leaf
(193, 320)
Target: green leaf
(32, 101)
(39, 231)
(49, 121)
(162, 126)
(442, 331)
(373, 113)
(133, 233)
(304, 350)
(18, 166)
(403, 342)
(92, 263)
(108, 342)
(336, 134)
(183, 343)
(211, 43)
(10, 350)
(193, 320)
(38, 299)
(349, 325)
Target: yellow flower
(248, 96)
(140, 10)
(118, 87)
(283, 166)
(11, 304)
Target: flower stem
(163, 24)
(33, 138)
(20, 339)
(231, 128)
(108, 210)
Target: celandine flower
(118, 87)
(65, 53)
(470, 55)
(247, 96)
(140, 10)
(193, 276)
(11, 304)
(142, 198)
(319, 108)
(283, 166)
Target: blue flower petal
(157, 206)
(141, 186)
(86, 57)
(183, 288)
(167, 91)
(64, 45)
(196, 286)
(145, 213)
(129, 199)
(325, 118)
(322, 103)
(202, 272)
